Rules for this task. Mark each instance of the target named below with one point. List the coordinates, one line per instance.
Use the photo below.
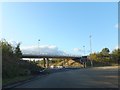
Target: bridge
(49, 56)
(80, 59)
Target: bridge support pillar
(44, 62)
(63, 62)
(84, 64)
(47, 62)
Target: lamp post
(84, 50)
(84, 61)
(38, 46)
(90, 44)
(91, 50)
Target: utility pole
(91, 50)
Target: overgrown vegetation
(104, 57)
(12, 65)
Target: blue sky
(65, 26)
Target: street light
(84, 61)
(84, 50)
(38, 46)
(91, 50)
(90, 44)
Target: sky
(63, 28)
(59, 1)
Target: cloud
(11, 42)
(117, 26)
(42, 50)
(76, 49)
(118, 46)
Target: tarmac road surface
(96, 77)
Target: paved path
(104, 77)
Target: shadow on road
(56, 70)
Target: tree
(93, 56)
(18, 52)
(6, 48)
(116, 55)
(105, 51)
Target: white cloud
(11, 42)
(118, 46)
(117, 26)
(76, 49)
(43, 49)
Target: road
(100, 77)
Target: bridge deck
(48, 56)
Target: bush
(12, 66)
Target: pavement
(96, 77)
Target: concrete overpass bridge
(80, 59)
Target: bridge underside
(46, 58)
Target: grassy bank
(8, 81)
(101, 64)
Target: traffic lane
(81, 78)
(55, 70)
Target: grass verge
(9, 81)
(15, 79)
